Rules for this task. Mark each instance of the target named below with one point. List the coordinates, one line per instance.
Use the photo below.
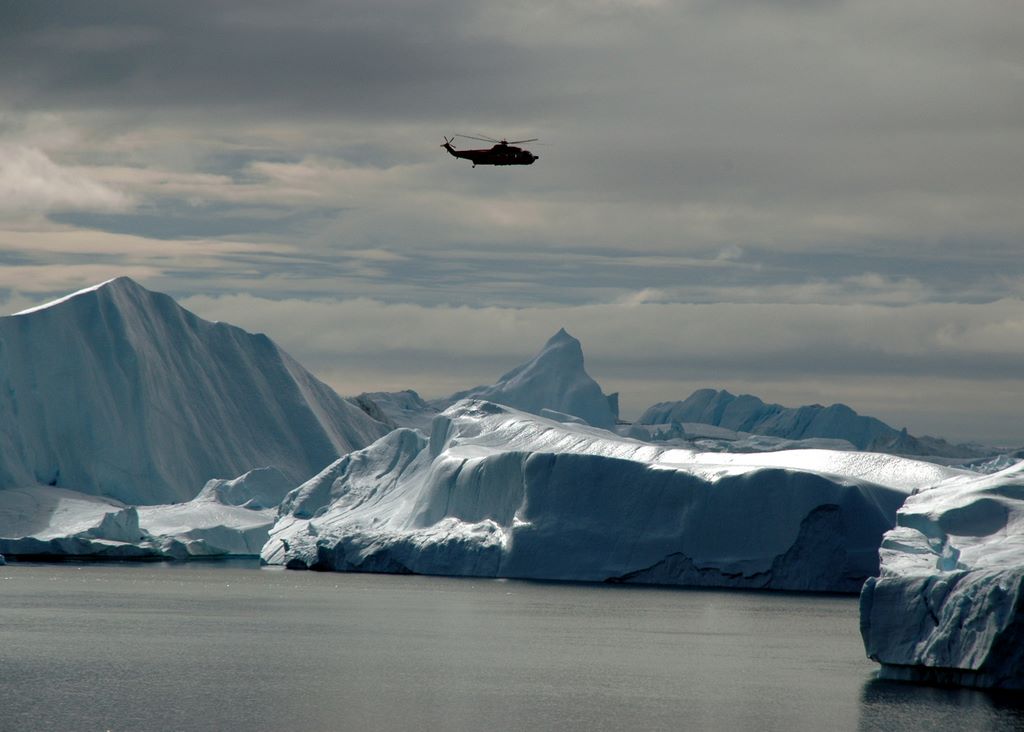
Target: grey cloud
(768, 155)
(791, 124)
(301, 59)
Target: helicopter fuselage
(500, 154)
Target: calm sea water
(235, 647)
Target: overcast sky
(808, 200)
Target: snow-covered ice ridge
(949, 604)
(119, 392)
(498, 492)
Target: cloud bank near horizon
(909, 365)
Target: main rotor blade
(516, 142)
(481, 139)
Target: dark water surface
(226, 647)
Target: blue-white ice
(554, 382)
(117, 406)
(499, 492)
(949, 604)
(227, 518)
(745, 416)
(123, 416)
(117, 391)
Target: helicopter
(503, 152)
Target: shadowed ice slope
(553, 381)
(949, 604)
(118, 391)
(499, 492)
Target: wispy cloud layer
(31, 182)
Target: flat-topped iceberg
(948, 605)
(499, 492)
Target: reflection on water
(897, 705)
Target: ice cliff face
(499, 492)
(117, 391)
(949, 604)
(747, 413)
(553, 380)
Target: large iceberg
(498, 492)
(116, 391)
(553, 382)
(949, 604)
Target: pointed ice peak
(122, 283)
(561, 355)
(110, 287)
(554, 379)
(561, 335)
(564, 343)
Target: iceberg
(948, 606)
(499, 492)
(47, 522)
(750, 415)
(227, 518)
(118, 392)
(552, 380)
